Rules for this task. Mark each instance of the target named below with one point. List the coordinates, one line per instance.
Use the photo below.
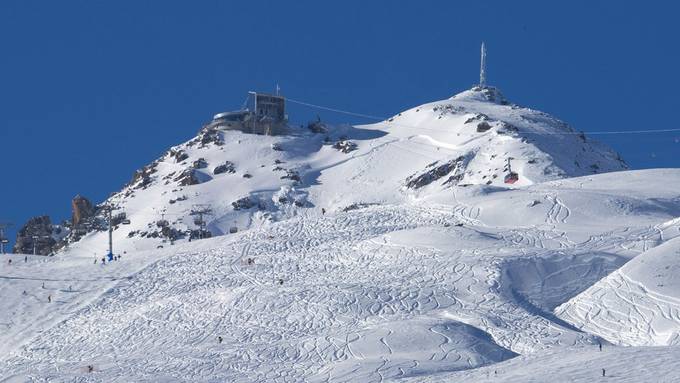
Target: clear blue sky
(92, 90)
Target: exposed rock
(206, 136)
(82, 209)
(179, 155)
(477, 117)
(448, 109)
(182, 198)
(358, 205)
(226, 167)
(435, 173)
(36, 234)
(243, 203)
(187, 177)
(142, 178)
(199, 164)
(506, 128)
(345, 146)
(483, 127)
(291, 175)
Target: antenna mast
(482, 68)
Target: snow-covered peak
(483, 94)
(248, 180)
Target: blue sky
(91, 90)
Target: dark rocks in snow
(199, 164)
(206, 136)
(448, 109)
(247, 175)
(243, 203)
(36, 234)
(226, 167)
(277, 147)
(210, 136)
(358, 205)
(179, 155)
(435, 173)
(291, 175)
(477, 117)
(345, 146)
(506, 128)
(188, 177)
(182, 198)
(483, 127)
(142, 178)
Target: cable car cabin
(511, 178)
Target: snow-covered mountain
(250, 180)
(383, 252)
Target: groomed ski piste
(466, 279)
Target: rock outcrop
(37, 235)
(82, 210)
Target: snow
(437, 283)
(638, 305)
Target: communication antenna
(482, 68)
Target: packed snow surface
(404, 259)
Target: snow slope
(637, 305)
(377, 293)
(404, 258)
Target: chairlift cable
(377, 118)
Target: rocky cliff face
(37, 235)
(82, 210)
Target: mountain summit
(225, 180)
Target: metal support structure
(110, 254)
(35, 242)
(200, 211)
(3, 239)
(482, 68)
